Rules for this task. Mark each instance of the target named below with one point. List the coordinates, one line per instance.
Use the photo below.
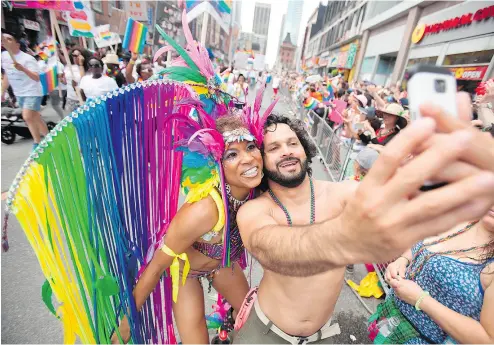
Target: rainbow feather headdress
(95, 199)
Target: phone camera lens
(440, 85)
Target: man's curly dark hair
(303, 136)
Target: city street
(25, 318)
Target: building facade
(456, 35)
(252, 41)
(262, 13)
(335, 38)
(286, 56)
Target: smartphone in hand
(430, 84)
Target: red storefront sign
(469, 73)
(423, 30)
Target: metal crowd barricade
(380, 270)
(334, 151)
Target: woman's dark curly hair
(303, 136)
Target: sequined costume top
(215, 250)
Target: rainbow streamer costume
(96, 198)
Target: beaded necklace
(284, 209)
(412, 272)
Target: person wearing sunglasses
(96, 84)
(72, 75)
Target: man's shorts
(30, 102)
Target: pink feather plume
(212, 140)
(161, 51)
(253, 118)
(196, 52)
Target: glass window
(483, 56)
(362, 14)
(97, 6)
(367, 65)
(349, 22)
(431, 60)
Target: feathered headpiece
(194, 67)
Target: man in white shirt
(23, 76)
(276, 85)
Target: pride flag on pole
(135, 36)
(49, 80)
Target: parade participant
(202, 233)
(113, 69)
(241, 89)
(73, 74)
(96, 84)
(23, 76)
(304, 252)
(197, 231)
(144, 69)
(276, 85)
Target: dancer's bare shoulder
(196, 218)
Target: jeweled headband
(238, 134)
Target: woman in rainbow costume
(203, 240)
(105, 184)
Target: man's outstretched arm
(386, 215)
(298, 251)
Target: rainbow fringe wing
(95, 200)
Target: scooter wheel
(8, 137)
(50, 125)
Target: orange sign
(418, 33)
(469, 73)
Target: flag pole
(56, 53)
(65, 54)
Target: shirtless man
(304, 264)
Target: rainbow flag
(106, 35)
(49, 80)
(43, 55)
(225, 76)
(51, 48)
(310, 103)
(135, 36)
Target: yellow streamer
(37, 211)
(175, 269)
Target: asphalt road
(24, 317)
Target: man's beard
(288, 181)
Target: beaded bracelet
(401, 256)
(422, 296)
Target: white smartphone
(434, 84)
(358, 126)
(429, 83)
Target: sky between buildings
(278, 8)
